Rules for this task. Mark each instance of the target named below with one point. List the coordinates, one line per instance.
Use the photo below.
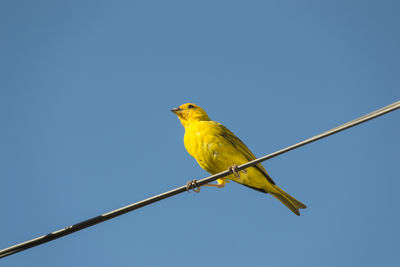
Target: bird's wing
(242, 148)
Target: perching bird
(217, 149)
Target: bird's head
(190, 112)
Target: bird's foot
(192, 184)
(234, 170)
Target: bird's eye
(190, 106)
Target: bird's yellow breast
(202, 143)
(214, 154)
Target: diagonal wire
(109, 215)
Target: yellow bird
(217, 149)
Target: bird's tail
(289, 201)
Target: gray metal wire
(109, 215)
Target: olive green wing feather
(242, 148)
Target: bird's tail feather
(289, 201)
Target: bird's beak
(176, 110)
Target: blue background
(85, 93)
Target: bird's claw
(234, 170)
(192, 184)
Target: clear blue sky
(85, 93)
